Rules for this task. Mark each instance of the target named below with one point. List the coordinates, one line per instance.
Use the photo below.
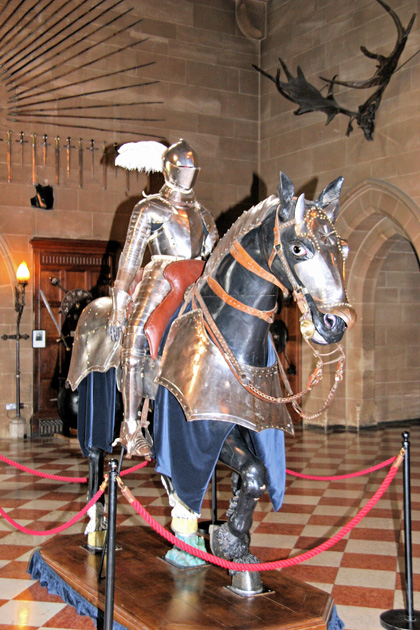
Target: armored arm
(138, 234)
(212, 235)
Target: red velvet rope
(39, 473)
(133, 468)
(267, 566)
(348, 476)
(262, 566)
(55, 530)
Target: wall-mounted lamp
(22, 278)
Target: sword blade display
(9, 156)
(69, 146)
(57, 159)
(49, 309)
(44, 149)
(92, 158)
(80, 152)
(22, 143)
(34, 159)
(105, 160)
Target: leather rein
(246, 261)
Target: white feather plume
(141, 156)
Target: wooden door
(61, 265)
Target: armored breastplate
(181, 235)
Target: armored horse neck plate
(195, 371)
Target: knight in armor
(176, 227)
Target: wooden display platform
(150, 594)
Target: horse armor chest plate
(195, 371)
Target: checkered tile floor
(364, 571)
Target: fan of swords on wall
(46, 46)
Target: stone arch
(373, 216)
(9, 264)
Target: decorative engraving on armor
(193, 369)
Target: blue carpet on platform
(41, 571)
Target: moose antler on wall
(309, 98)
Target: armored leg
(250, 486)
(232, 539)
(184, 525)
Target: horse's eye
(299, 250)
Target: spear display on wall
(24, 25)
(45, 59)
(45, 43)
(28, 44)
(30, 79)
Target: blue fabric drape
(39, 570)
(188, 451)
(96, 411)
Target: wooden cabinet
(70, 264)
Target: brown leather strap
(245, 260)
(267, 316)
(180, 275)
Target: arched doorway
(382, 226)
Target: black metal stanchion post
(111, 543)
(405, 619)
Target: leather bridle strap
(245, 260)
(234, 364)
(267, 316)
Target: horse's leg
(231, 540)
(184, 524)
(96, 528)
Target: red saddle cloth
(180, 274)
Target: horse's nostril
(330, 320)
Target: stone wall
(397, 335)
(381, 192)
(207, 92)
(244, 133)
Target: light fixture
(22, 278)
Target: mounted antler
(309, 98)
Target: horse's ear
(300, 211)
(328, 199)
(285, 192)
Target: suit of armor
(175, 227)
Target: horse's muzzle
(346, 313)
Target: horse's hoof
(183, 559)
(246, 583)
(226, 545)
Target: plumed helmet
(180, 165)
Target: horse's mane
(248, 220)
